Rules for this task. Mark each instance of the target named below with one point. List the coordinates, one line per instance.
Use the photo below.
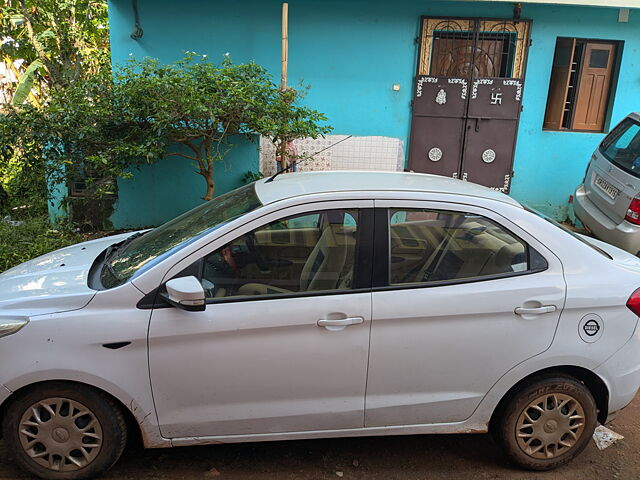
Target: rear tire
(64, 431)
(547, 423)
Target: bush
(34, 237)
(101, 129)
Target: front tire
(547, 423)
(64, 431)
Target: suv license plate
(606, 187)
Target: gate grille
(478, 48)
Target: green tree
(191, 110)
(285, 120)
(65, 39)
(195, 104)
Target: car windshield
(567, 230)
(140, 253)
(622, 146)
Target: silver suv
(608, 201)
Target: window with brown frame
(581, 84)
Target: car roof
(290, 185)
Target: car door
(274, 351)
(460, 296)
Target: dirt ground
(431, 457)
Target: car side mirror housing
(186, 293)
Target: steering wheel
(254, 251)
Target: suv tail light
(634, 302)
(633, 213)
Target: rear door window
(435, 245)
(622, 146)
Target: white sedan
(317, 305)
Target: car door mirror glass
(186, 293)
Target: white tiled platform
(355, 153)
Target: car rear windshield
(140, 253)
(622, 146)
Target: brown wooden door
(594, 83)
(467, 99)
(563, 62)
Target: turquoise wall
(170, 187)
(351, 53)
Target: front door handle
(535, 310)
(339, 324)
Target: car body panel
(4, 393)
(70, 346)
(219, 359)
(54, 282)
(624, 235)
(415, 331)
(245, 367)
(622, 372)
(399, 183)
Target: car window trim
(382, 237)
(458, 281)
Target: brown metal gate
(468, 97)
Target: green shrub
(33, 238)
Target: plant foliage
(32, 238)
(62, 40)
(191, 110)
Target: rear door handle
(339, 324)
(536, 310)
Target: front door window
(304, 253)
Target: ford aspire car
(314, 305)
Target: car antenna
(288, 167)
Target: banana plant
(26, 83)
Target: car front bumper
(623, 235)
(622, 373)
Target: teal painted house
(512, 95)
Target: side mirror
(186, 293)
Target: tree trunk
(210, 185)
(209, 170)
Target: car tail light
(633, 213)
(634, 302)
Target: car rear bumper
(622, 373)
(623, 235)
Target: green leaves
(68, 37)
(26, 83)
(33, 237)
(192, 110)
